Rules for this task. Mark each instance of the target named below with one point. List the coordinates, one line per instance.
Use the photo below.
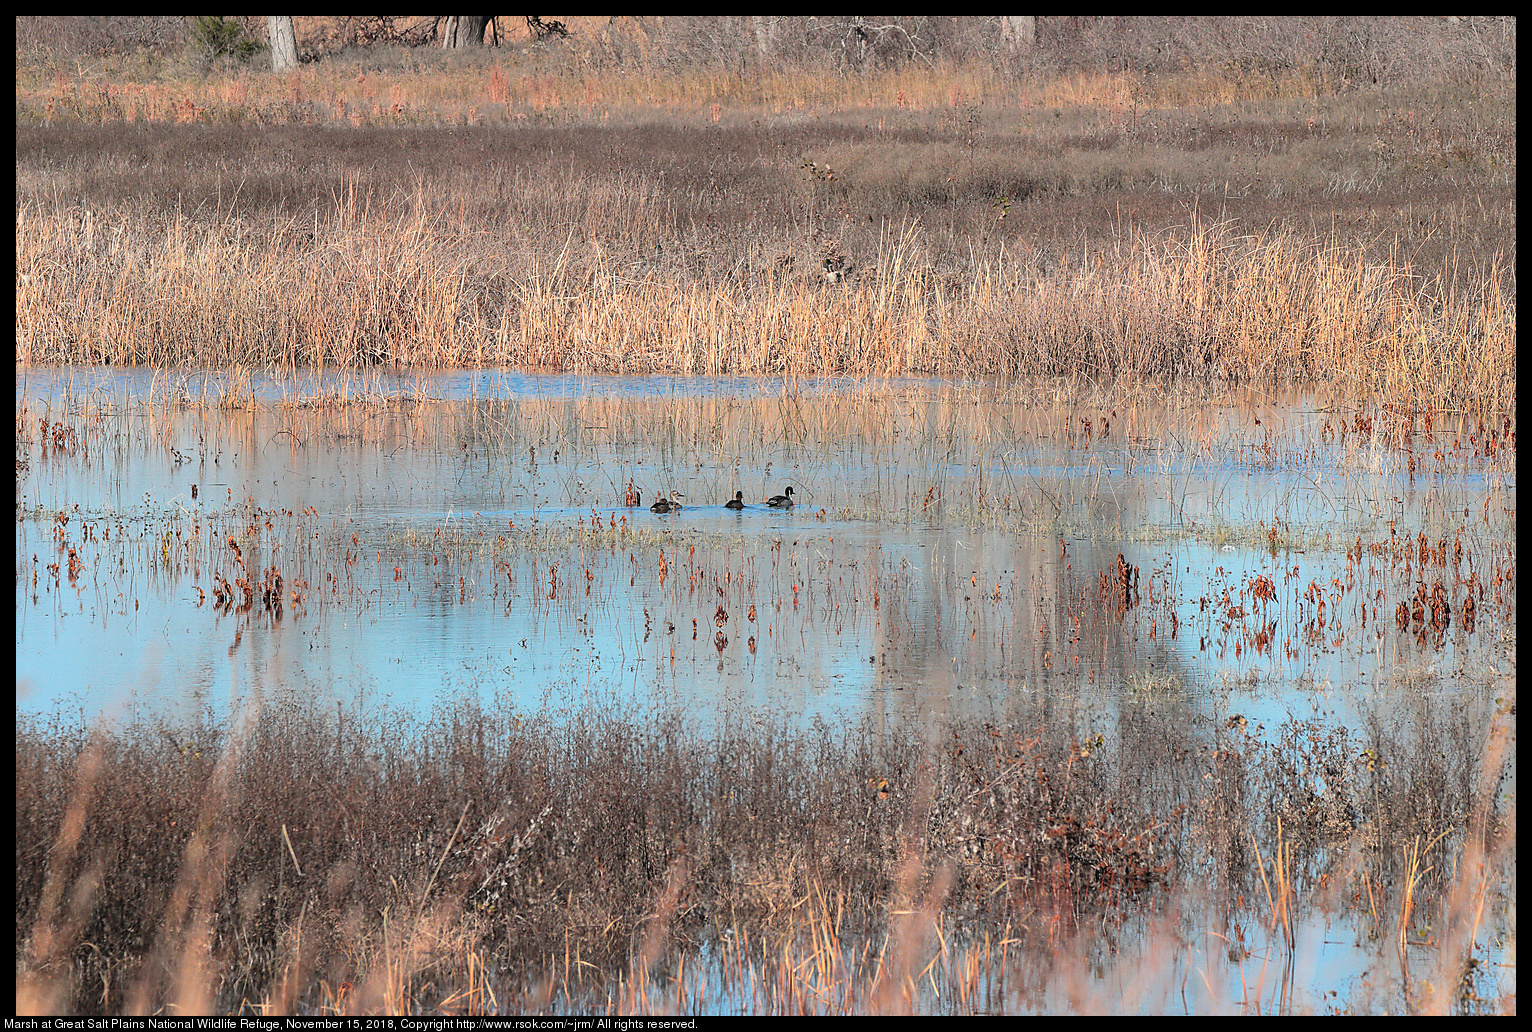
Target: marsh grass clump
(322, 862)
(409, 281)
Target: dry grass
(409, 281)
(501, 861)
(403, 207)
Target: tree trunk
(461, 30)
(1019, 30)
(284, 43)
(765, 29)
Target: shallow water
(954, 571)
(958, 552)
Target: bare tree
(284, 42)
(856, 41)
(545, 29)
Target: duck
(737, 502)
(781, 501)
(671, 504)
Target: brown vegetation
(1201, 226)
(503, 860)
(1207, 206)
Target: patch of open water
(869, 595)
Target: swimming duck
(737, 502)
(671, 504)
(781, 501)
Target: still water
(950, 553)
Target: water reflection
(955, 552)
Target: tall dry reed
(410, 281)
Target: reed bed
(498, 860)
(408, 281)
(615, 203)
